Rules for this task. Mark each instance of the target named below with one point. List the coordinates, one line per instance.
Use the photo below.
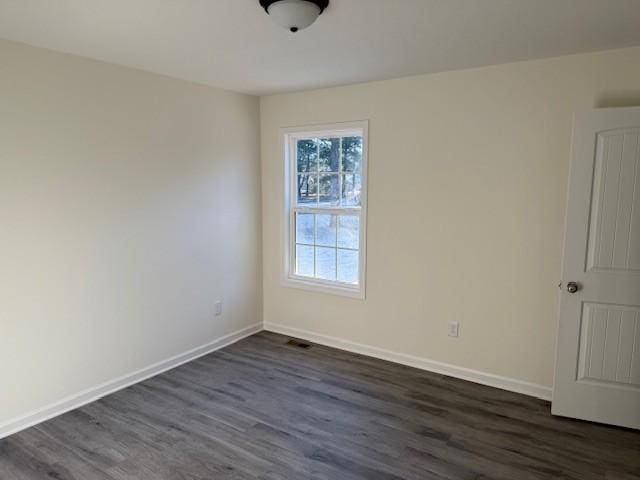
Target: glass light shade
(294, 15)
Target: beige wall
(129, 203)
(467, 184)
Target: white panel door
(598, 358)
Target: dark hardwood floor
(262, 409)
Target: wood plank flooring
(262, 409)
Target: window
(325, 202)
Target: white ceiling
(233, 44)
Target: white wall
(129, 203)
(467, 185)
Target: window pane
(351, 187)
(326, 263)
(329, 186)
(329, 154)
(307, 155)
(326, 226)
(307, 189)
(304, 260)
(351, 154)
(348, 266)
(304, 228)
(349, 231)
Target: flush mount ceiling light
(294, 15)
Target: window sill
(330, 288)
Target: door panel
(609, 345)
(598, 356)
(615, 222)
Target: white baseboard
(87, 396)
(505, 383)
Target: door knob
(573, 287)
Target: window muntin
(325, 207)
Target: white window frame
(289, 137)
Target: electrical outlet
(218, 308)
(453, 329)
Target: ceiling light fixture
(294, 15)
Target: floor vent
(298, 343)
